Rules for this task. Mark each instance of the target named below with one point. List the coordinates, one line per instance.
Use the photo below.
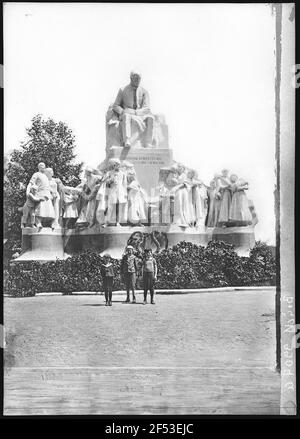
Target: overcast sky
(209, 68)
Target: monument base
(47, 245)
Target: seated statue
(129, 121)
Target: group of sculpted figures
(222, 204)
(114, 197)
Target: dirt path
(194, 353)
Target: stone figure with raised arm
(44, 209)
(133, 108)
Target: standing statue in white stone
(29, 208)
(223, 187)
(87, 204)
(239, 213)
(164, 194)
(180, 189)
(133, 108)
(55, 196)
(136, 200)
(116, 194)
(44, 209)
(197, 199)
(101, 198)
(214, 198)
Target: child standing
(129, 268)
(149, 270)
(107, 273)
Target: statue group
(112, 195)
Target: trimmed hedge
(185, 265)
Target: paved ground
(193, 353)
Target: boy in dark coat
(107, 273)
(129, 268)
(149, 275)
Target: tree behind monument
(47, 141)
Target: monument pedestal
(48, 245)
(43, 245)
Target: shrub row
(185, 265)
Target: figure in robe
(101, 198)
(240, 214)
(116, 194)
(166, 183)
(197, 199)
(136, 201)
(178, 180)
(223, 187)
(87, 206)
(55, 197)
(45, 209)
(29, 208)
(214, 205)
(70, 214)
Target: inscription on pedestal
(147, 163)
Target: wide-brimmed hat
(129, 246)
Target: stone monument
(138, 194)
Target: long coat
(117, 187)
